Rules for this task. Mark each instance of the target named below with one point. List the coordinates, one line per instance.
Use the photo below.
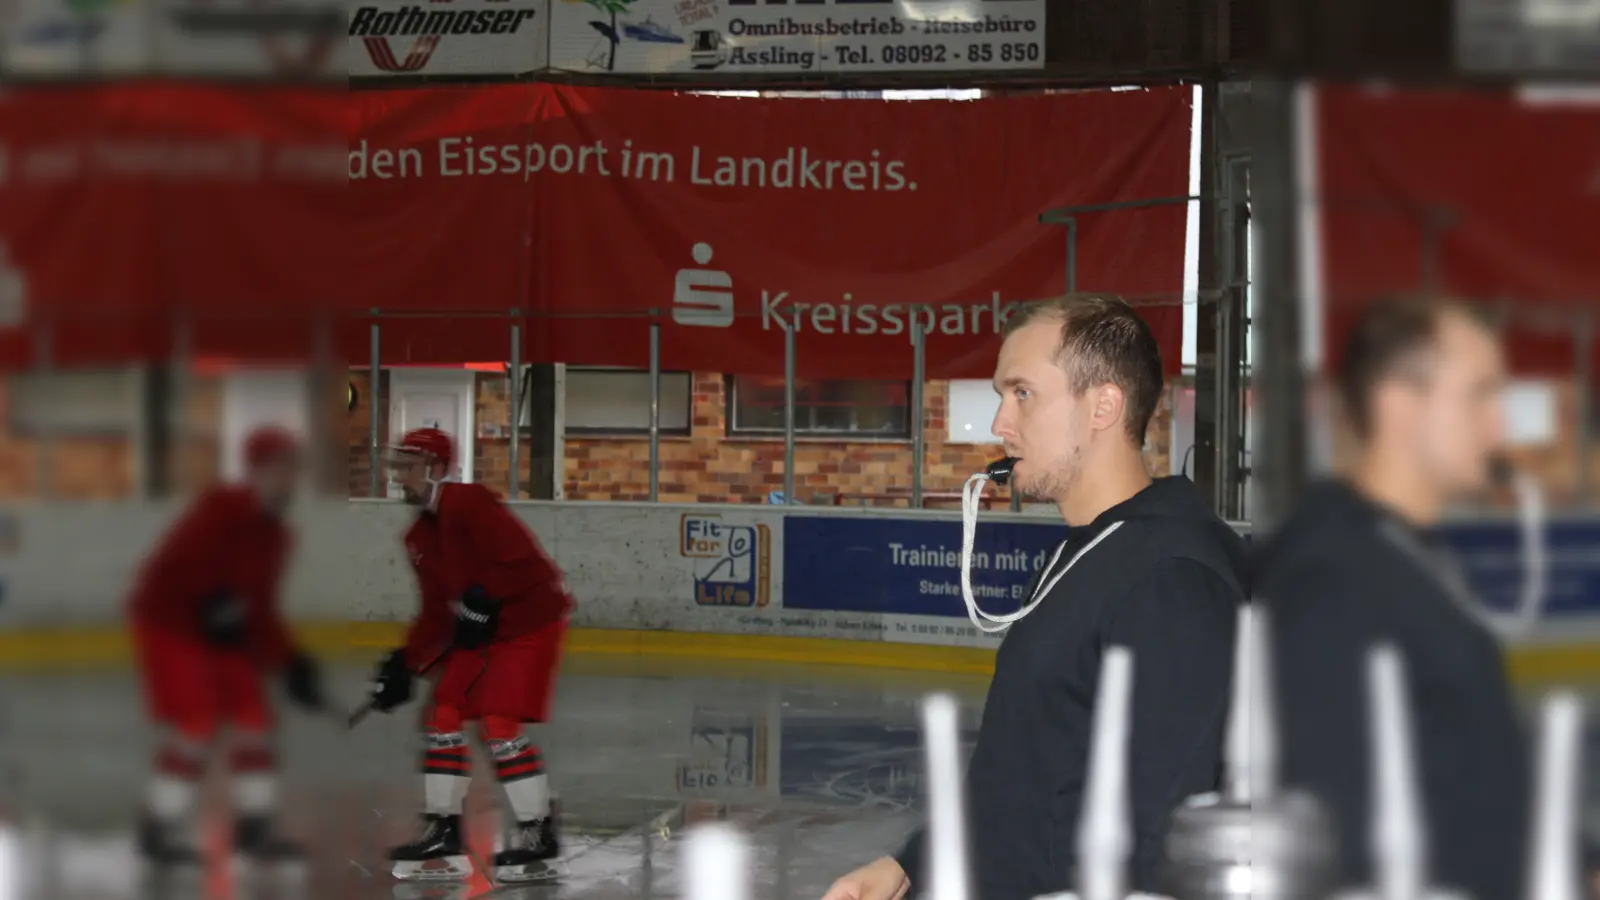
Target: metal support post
(1232, 318)
(919, 354)
(788, 408)
(1072, 255)
(1212, 360)
(514, 377)
(1068, 216)
(655, 411)
(180, 381)
(319, 391)
(1583, 402)
(44, 472)
(374, 439)
(1278, 434)
(1436, 220)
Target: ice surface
(820, 766)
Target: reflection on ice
(820, 768)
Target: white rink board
(700, 568)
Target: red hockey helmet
(269, 445)
(428, 444)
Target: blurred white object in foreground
(1105, 836)
(1553, 861)
(1399, 834)
(1251, 842)
(716, 864)
(1399, 837)
(949, 873)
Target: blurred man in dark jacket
(1359, 562)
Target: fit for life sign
(753, 37)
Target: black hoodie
(1166, 584)
(1342, 575)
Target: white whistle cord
(1535, 555)
(971, 499)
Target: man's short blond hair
(1103, 341)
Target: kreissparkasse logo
(386, 29)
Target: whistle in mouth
(999, 471)
(1501, 472)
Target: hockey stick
(365, 709)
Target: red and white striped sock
(446, 773)
(520, 767)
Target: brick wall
(709, 466)
(705, 466)
(105, 467)
(358, 460)
(491, 461)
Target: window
(617, 401)
(869, 409)
(1532, 415)
(72, 402)
(973, 405)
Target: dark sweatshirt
(1342, 575)
(1166, 584)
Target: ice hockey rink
(819, 765)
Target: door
(437, 398)
(257, 399)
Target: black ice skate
(264, 852)
(161, 848)
(528, 853)
(436, 856)
(254, 839)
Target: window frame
(597, 431)
(119, 417)
(810, 432)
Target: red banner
(594, 212)
(732, 216)
(1483, 195)
(122, 205)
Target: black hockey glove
(477, 617)
(223, 619)
(391, 686)
(303, 681)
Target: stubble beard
(1056, 482)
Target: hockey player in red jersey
(207, 633)
(498, 607)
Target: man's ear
(1393, 400)
(1108, 403)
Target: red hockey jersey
(469, 538)
(224, 542)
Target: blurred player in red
(498, 606)
(208, 632)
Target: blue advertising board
(908, 566)
(913, 566)
(1491, 554)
